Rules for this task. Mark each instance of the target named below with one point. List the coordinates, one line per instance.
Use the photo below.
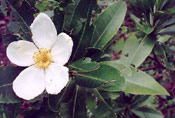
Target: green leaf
(106, 77)
(110, 95)
(100, 108)
(87, 31)
(136, 50)
(75, 12)
(10, 110)
(7, 76)
(58, 19)
(85, 65)
(118, 46)
(139, 101)
(168, 31)
(103, 100)
(76, 108)
(146, 112)
(3, 7)
(80, 110)
(55, 101)
(107, 24)
(7, 94)
(69, 14)
(91, 103)
(18, 25)
(139, 82)
(160, 50)
(147, 29)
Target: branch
(150, 68)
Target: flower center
(42, 58)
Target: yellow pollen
(42, 58)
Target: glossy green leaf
(107, 24)
(75, 12)
(7, 94)
(102, 99)
(139, 82)
(7, 75)
(136, 50)
(87, 31)
(84, 65)
(69, 14)
(66, 94)
(106, 77)
(146, 112)
(76, 107)
(99, 109)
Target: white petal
(56, 78)
(62, 49)
(29, 83)
(44, 31)
(21, 52)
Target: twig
(150, 68)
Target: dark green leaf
(146, 112)
(18, 24)
(168, 31)
(85, 65)
(86, 34)
(75, 12)
(76, 108)
(98, 106)
(8, 74)
(58, 20)
(107, 24)
(105, 76)
(139, 101)
(7, 94)
(65, 96)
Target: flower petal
(29, 83)
(56, 78)
(44, 31)
(21, 52)
(62, 49)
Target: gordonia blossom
(44, 58)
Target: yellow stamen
(42, 58)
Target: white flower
(45, 57)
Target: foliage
(109, 59)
